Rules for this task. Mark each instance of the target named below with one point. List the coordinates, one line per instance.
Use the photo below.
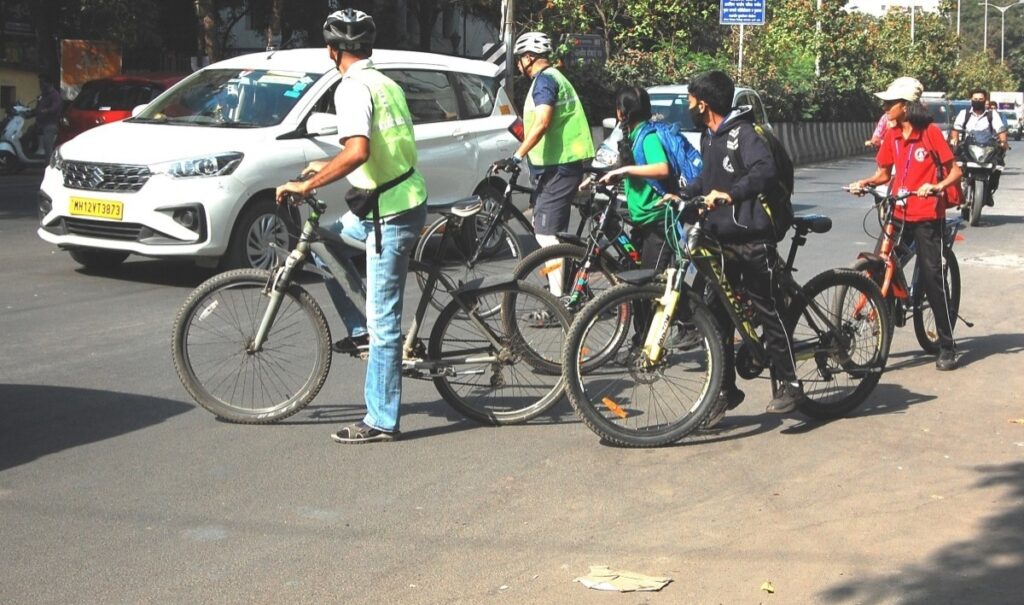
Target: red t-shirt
(914, 163)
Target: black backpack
(778, 198)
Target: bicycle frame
(896, 256)
(309, 239)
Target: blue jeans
(351, 315)
(385, 283)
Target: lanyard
(906, 166)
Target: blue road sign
(742, 12)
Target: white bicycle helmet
(537, 43)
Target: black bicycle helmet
(350, 29)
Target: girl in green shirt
(633, 110)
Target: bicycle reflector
(518, 130)
(614, 407)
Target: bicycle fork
(276, 287)
(654, 345)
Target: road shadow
(985, 570)
(181, 274)
(995, 220)
(37, 420)
(977, 348)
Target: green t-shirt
(641, 199)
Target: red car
(110, 100)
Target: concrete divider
(809, 142)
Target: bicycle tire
(863, 361)
(924, 319)
(694, 387)
(457, 250)
(236, 299)
(532, 269)
(498, 401)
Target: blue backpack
(684, 160)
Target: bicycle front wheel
(452, 253)
(565, 262)
(924, 316)
(500, 368)
(629, 401)
(840, 328)
(212, 349)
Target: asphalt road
(116, 488)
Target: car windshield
(672, 108)
(230, 98)
(939, 111)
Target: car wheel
(261, 224)
(98, 260)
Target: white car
(670, 104)
(193, 173)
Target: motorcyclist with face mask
(986, 127)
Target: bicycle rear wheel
(841, 332)
(511, 383)
(570, 258)
(628, 402)
(924, 318)
(212, 338)
(451, 254)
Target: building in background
(19, 75)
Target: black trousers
(753, 268)
(654, 254)
(929, 239)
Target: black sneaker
(728, 399)
(684, 336)
(361, 432)
(353, 345)
(946, 360)
(786, 399)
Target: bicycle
(483, 243)
(659, 388)
(589, 266)
(885, 266)
(253, 346)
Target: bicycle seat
(816, 223)
(459, 207)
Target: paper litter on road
(1017, 421)
(601, 577)
(768, 587)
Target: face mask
(978, 105)
(696, 116)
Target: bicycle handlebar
(880, 194)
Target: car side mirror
(138, 109)
(609, 123)
(322, 124)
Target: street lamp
(1002, 14)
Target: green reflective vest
(568, 137)
(392, 146)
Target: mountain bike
(885, 266)
(586, 267)
(660, 385)
(481, 241)
(253, 346)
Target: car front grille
(119, 178)
(103, 229)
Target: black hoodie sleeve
(760, 168)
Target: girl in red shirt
(912, 154)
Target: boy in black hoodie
(739, 221)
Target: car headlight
(218, 164)
(57, 160)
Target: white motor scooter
(18, 142)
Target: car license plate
(83, 206)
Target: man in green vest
(557, 142)
(378, 153)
